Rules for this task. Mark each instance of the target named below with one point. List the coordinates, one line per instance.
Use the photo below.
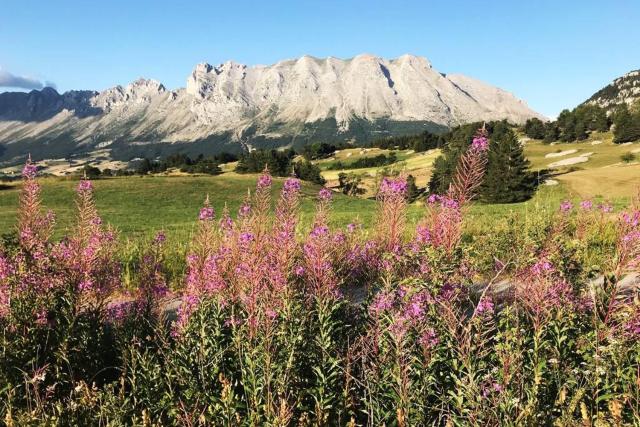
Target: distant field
(604, 174)
(417, 164)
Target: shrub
(628, 157)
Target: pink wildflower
(480, 143)
(325, 194)
(429, 339)
(160, 237)
(586, 205)
(291, 185)
(264, 180)
(30, 170)
(84, 185)
(485, 306)
(206, 213)
(566, 206)
(393, 187)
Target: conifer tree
(626, 125)
(508, 178)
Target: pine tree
(627, 125)
(445, 165)
(534, 128)
(551, 132)
(508, 178)
(413, 192)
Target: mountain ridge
(622, 90)
(256, 106)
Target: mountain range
(232, 106)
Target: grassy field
(139, 206)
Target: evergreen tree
(626, 125)
(413, 192)
(507, 179)
(307, 171)
(551, 132)
(534, 128)
(445, 165)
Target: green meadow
(139, 206)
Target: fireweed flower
(206, 213)
(325, 194)
(485, 306)
(586, 205)
(264, 180)
(429, 339)
(605, 207)
(382, 302)
(566, 206)
(291, 185)
(480, 143)
(5, 268)
(320, 230)
(42, 317)
(160, 237)
(391, 212)
(393, 187)
(632, 325)
(246, 238)
(30, 170)
(244, 210)
(85, 185)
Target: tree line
(577, 124)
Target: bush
(628, 157)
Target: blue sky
(552, 54)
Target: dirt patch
(570, 161)
(560, 154)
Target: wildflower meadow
(527, 325)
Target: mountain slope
(625, 89)
(232, 105)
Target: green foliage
(534, 128)
(444, 167)
(201, 164)
(628, 157)
(90, 172)
(571, 125)
(321, 150)
(626, 125)
(278, 162)
(419, 143)
(413, 192)
(507, 178)
(307, 171)
(365, 162)
(350, 183)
